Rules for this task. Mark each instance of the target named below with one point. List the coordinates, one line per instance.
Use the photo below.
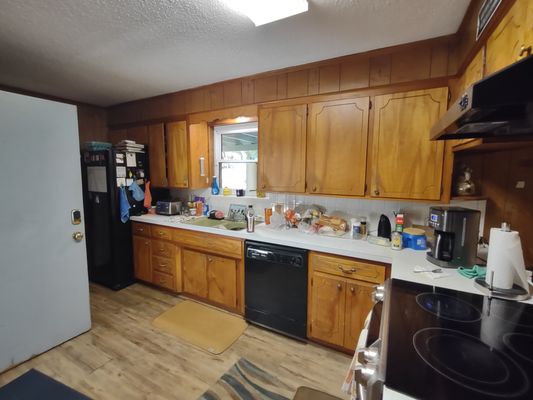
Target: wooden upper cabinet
(194, 270)
(282, 148)
(157, 155)
(222, 280)
(336, 147)
(138, 133)
(514, 31)
(177, 154)
(327, 308)
(405, 163)
(358, 305)
(200, 169)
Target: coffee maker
(456, 236)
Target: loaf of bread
(336, 223)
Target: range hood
(500, 105)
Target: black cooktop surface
(445, 344)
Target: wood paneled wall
(92, 123)
(496, 175)
(412, 62)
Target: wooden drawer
(166, 265)
(140, 229)
(210, 243)
(347, 267)
(161, 232)
(163, 249)
(163, 280)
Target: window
(236, 156)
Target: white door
(44, 295)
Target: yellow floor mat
(202, 326)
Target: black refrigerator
(108, 239)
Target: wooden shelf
(494, 144)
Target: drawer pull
(161, 249)
(140, 230)
(162, 265)
(160, 233)
(352, 289)
(339, 286)
(346, 271)
(147, 243)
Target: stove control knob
(378, 294)
(363, 374)
(367, 355)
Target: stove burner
(516, 313)
(470, 363)
(520, 344)
(448, 307)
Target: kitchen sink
(219, 224)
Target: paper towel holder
(516, 293)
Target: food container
(414, 238)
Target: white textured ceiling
(106, 52)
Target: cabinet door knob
(376, 192)
(147, 243)
(140, 230)
(314, 188)
(209, 259)
(524, 51)
(339, 286)
(352, 289)
(263, 186)
(160, 233)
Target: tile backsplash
(415, 212)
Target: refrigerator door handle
(202, 166)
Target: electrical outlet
(520, 185)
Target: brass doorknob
(77, 236)
(376, 192)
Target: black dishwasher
(275, 288)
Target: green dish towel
(475, 272)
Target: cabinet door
(194, 273)
(327, 308)
(142, 258)
(405, 163)
(177, 154)
(504, 44)
(358, 305)
(222, 280)
(336, 148)
(282, 148)
(138, 133)
(200, 168)
(157, 155)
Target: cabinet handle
(339, 286)
(352, 289)
(314, 188)
(524, 51)
(202, 166)
(263, 186)
(140, 230)
(346, 271)
(162, 249)
(164, 265)
(209, 259)
(376, 192)
(160, 233)
(147, 243)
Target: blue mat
(35, 385)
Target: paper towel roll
(505, 259)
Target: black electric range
(446, 344)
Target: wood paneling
(222, 281)
(265, 89)
(282, 86)
(410, 65)
(282, 148)
(216, 97)
(329, 78)
(380, 70)
(337, 145)
(355, 74)
(138, 133)
(297, 83)
(177, 154)
(439, 60)
(157, 155)
(92, 124)
(232, 93)
(405, 163)
(116, 135)
(194, 269)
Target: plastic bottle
(356, 228)
(250, 219)
(214, 186)
(364, 228)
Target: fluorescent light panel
(265, 11)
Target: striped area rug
(246, 381)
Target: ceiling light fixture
(265, 11)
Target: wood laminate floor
(124, 357)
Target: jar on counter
(396, 240)
(355, 228)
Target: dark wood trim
(170, 118)
(31, 93)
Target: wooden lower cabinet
(210, 277)
(338, 305)
(142, 267)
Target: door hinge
(370, 104)
(311, 281)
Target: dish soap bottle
(214, 186)
(250, 219)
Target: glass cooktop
(445, 344)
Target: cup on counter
(239, 192)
